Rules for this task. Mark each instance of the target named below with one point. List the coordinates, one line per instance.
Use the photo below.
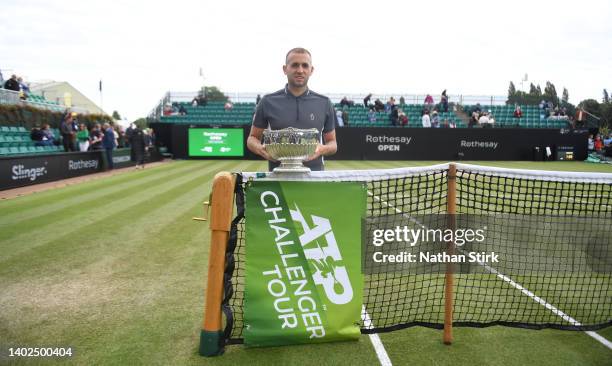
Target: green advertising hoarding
(303, 262)
(216, 142)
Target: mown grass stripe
(58, 194)
(76, 221)
(77, 201)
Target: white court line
(383, 357)
(507, 279)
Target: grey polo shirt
(310, 110)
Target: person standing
(67, 131)
(138, 146)
(108, 143)
(83, 137)
(296, 106)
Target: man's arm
(254, 143)
(329, 148)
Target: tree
(511, 91)
(214, 94)
(550, 93)
(565, 98)
(534, 91)
(606, 97)
(116, 116)
(141, 123)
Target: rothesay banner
(303, 262)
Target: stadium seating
(242, 114)
(15, 140)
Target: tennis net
(551, 228)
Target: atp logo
(327, 259)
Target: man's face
(298, 69)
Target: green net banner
(303, 262)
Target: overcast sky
(141, 50)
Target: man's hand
(254, 143)
(320, 150)
(329, 148)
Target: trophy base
(291, 166)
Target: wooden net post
(221, 204)
(451, 209)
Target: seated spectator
(518, 113)
(258, 99)
(473, 119)
(483, 121)
(48, 136)
(402, 101)
(182, 111)
(194, 102)
(372, 115)
(37, 136)
(379, 106)
(435, 120)
(12, 83)
(425, 121)
(477, 108)
(403, 118)
(491, 119)
(228, 106)
(366, 100)
(167, 111)
(345, 102)
(202, 100)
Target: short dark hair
(296, 50)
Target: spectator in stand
(138, 147)
(345, 117)
(83, 137)
(345, 102)
(68, 133)
(403, 118)
(167, 109)
(402, 101)
(598, 143)
(429, 102)
(435, 119)
(473, 119)
(257, 99)
(95, 138)
(339, 120)
(48, 136)
(37, 136)
(108, 143)
(378, 105)
(372, 115)
(425, 120)
(389, 105)
(491, 119)
(444, 101)
(483, 121)
(591, 144)
(182, 111)
(202, 100)
(12, 83)
(194, 102)
(394, 115)
(25, 89)
(228, 106)
(518, 113)
(366, 100)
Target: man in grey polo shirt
(295, 106)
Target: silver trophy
(291, 146)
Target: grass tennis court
(115, 268)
